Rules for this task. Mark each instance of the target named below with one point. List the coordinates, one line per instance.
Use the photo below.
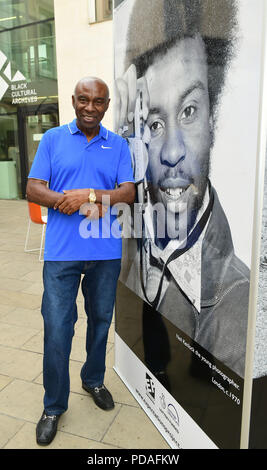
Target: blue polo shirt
(66, 160)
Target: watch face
(92, 196)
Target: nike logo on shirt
(103, 147)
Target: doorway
(33, 122)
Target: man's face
(180, 130)
(90, 102)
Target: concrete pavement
(83, 426)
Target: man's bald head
(89, 81)
(90, 101)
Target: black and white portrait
(169, 88)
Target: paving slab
(84, 425)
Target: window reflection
(28, 86)
(17, 13)
(31, 50)
(103, 10)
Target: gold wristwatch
(92, 196)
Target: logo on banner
(172, 412)
(150, 387)
(18, 83)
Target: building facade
(46, 46)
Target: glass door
(10, 172)
(33, 123)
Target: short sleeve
(125, 171)
(41, 166)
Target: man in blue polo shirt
(76, 168)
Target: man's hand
(126, 88)
(75, 200)
(72, 200)
(93, 211)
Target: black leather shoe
(46, 429)
(102, 397)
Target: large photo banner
(188, 77)
(258, 412)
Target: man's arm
(124, 193)
(37, 191)
(75, 198)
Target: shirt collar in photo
(185, 270)
(73, 128)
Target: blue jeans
(61, 283)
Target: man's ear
(73, 100)
(107, 105)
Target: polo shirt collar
(103, 132)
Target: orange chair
(36, 217)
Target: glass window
(100, 10)
(16, 13)
(28, 87)
(25, 49)
(117, 3)
(31, 52)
